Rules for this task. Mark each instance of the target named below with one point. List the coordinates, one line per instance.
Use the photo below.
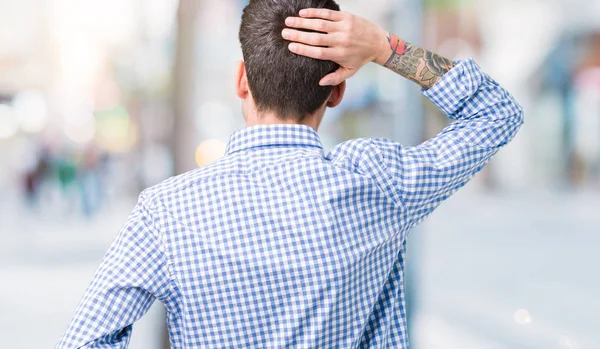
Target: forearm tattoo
(415, 63)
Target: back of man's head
(282, 82)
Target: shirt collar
(272, 136)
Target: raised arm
(352, 42)
(415, 63)
(486, 116)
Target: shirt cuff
(456, 87)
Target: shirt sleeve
(131, 276)
(486, 118)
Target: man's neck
(271, 119)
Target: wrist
(382, 50)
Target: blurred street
(509, 271)
(45, 266)
(480, 258)
(100, 100)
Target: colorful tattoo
(415, 63)
(398, 46)
(435, 67)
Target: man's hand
(348, 40)
(352, 42)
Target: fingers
(315, 52)
(311, 24)
(322, 13)
(336, 77)
(314, 39)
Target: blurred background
(101, 99)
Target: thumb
(337, 77)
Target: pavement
(47, 259)
(508, 271)
(487, 271)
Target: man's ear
(241, 80)
(337, 95)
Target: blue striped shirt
(279, 244)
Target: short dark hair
(280, 81)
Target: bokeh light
(210, 151)
(116, 133)
(522, 317)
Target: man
(279, 244)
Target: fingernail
(303, 12)
(324, 83)
(285, 33)
(293, 47)
(289, 21)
